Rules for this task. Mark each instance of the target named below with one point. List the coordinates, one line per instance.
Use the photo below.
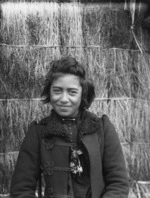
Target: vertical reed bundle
(26, 23)
(16, 116)
(119, 73)
(71, 29)
(31, 24)
(7, 164)
(107, 25)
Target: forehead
(66, 80)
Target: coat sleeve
(27, 170)
(114, 169)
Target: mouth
(63, 107)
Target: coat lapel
(92, 144)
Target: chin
(64, 114)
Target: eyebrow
(56, 87)
(69, 88)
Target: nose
(64, 97)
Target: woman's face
(66, 94)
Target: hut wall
(115, 56)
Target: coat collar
(86, 121)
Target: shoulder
(101, 118)
(93, 121)
(37, 122)
(36, 127)
(43, 121)
(107, 123)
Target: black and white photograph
(74, 99)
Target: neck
(74, 117)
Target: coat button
(51, 163)
(49, 144)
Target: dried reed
(30, 23)
(16, 116)
(107, 25)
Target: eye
(73, 92)
(57, 91)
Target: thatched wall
(99, 35)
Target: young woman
(78, 153)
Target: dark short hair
(69, 65)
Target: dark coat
(40, 150)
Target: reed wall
(115, 56)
